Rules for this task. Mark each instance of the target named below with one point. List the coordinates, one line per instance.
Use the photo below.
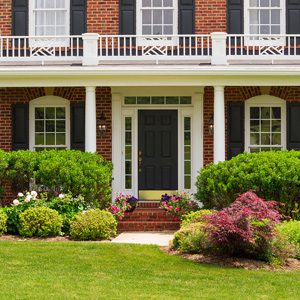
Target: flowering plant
(123, 203)
(178, 204)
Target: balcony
(92, 49)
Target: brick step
(149, 204)
(148, 214)
(147, 226)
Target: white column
(218, 40)
(90, 119)
(117, 142)
(219, 124)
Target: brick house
(160, 87)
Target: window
(265, 17)
(265, 126)
(154, 100)
(187, 153)
(128, 152)
(49, 123)
(156, 17)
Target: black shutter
(293, 125)
(127, 17)
(293, 16)
(78, 126)
(78, 17)
(186, 17)
(20, 17)
(235, 128)
(20, 127)
(235, 19)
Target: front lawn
(91, 270)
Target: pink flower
(173, 198)
(168, 207)
(176, 219)
(164, 203)
(124, 202)
(177, 209)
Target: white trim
(194, 111)
(48, 101)
(269, 42)
(261, 101)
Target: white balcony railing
(93, 49)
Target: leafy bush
(93, 224)
(3, 219)
(272, 175)
(80, 173)
(195, 217)
(192, 238)
(178, 204)
(39, 221)
(291, 229)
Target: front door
(158, 150)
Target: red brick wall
(5, 17)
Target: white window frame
(265, 101)
(157, 40)
(46, 41)
(47, 101)
(272, 40)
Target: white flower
(16, 202)
(28, 198)
(34, 195)
(20, 195)
(61, 196)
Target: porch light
(102, 125)
(211, 125)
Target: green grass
(70, 270)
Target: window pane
(127, 123)
(168, 16)
(128, 182)
(146, 30)
(60, 113)
(146, 15)
(187, 124)
(275, 17)
(254, 138)
(276, 112)
(276, 126)
(254, 112)
(265, 139)
(254, 29)
(60, 139)
(168, 3)
(276, 138)
(60, 126)
(264, 3)
(157, 3)
(39, 139)
(158, 100)
(172, 100)
(146, 3)
(265, 112)
(275, 3)
(143, 100)
(187, 152)
(50, 112)
(39, 126)
(130, 100)
(265, 29)
(157, 30)
(39, 113)
(128, 138)
(275, 29)
(157, 16)
(50, 126)
(264, 16)
(254, 16)
(128, 152)
(254, 126)
(187, 138)
(128, 167)
(168, 30)
(50, 138)
(187, 182)
(265, 126)
(185, 100)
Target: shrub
(93, 224)
(246, 228)
(39, 221)
(3, 220)
(68, 207)
(195, 217)
(291, 229)
(272, 175)
(178, 204)
(191, 238)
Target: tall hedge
(81, 173)
(272, 175)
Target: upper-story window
(49, 17)
(264, 17)
(157, 17)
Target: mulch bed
(235, 262)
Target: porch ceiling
(158, 75)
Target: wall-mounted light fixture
(211, 125)
(102, 126)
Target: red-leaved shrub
(245, 228)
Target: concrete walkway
(147, 238)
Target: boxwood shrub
(81, 173)
(40, 221)
(3, 220)
(93, 224)
(272, 175)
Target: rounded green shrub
(3, 220)
(93, 224)
(291, 229)
(39, 221)
(272, 175)
(191, 238)
(195, 217)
